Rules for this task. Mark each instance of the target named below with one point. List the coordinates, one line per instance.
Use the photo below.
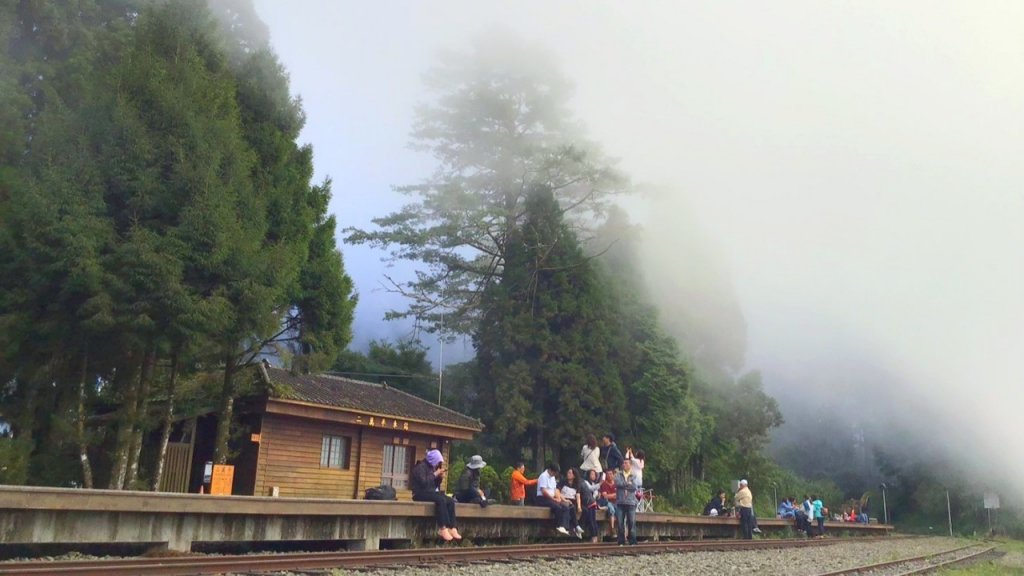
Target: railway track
(916, 564)
(190, 565)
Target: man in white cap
(469, 483)
(745, 504)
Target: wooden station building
(326, 436)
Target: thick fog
(848, 174)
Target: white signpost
(991, 500)
(991, 503)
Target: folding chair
(645, 500)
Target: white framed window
(396, 466)
(334, 452)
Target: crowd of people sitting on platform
(606, 480)
(812, 511)
(809, 516)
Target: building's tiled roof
(348, 394)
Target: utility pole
(949, 513)
(775, 492)
(885, 509)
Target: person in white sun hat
(469, 491)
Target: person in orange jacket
(519, 484)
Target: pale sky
(857, 164)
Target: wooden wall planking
(289, 457)
(176, 467)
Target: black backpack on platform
(381, 493)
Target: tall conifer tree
(156, 216)
(543, 346)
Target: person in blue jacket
(613, 456)
(786, 509)
(819, 515)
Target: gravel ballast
(794, 561)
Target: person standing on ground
(613, 456)
(426, 478)
(469, 483)
(591, 454)
(819, 515)
(745, 504)
(517, 491)
(625, 503)
(549, 495)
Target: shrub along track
(187, 565)
(917, 564)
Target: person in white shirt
(549, 495)
(638, 459)
(591, 454)
(572, 490)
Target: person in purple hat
(427, 476)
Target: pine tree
(156, 216)
(543, 346)
(325, 302)
(53, 232)
(499, 126)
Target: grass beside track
(1010, 563)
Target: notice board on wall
(223, 477)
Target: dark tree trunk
(25, 418)
(538, 451)
(227, 404)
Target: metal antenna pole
(440, 361)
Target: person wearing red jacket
(517, 493)
(606, 498)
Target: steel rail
(949, 562)
(867, 568)
(189, 565)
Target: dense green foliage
(544, 343)
(157, 222)
(402, 365)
